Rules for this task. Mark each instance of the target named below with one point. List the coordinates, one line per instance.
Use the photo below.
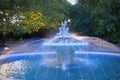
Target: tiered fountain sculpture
(65, 45)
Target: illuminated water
(34, 66)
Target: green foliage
(100, 18)
(28, 16)
(80, 17)
(54, 12)
(106, 15)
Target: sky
(72, 1)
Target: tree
(106, 16)
(27, 16)
(7, 10)
(52, 13)
(97, 18)
(80, 18)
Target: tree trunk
(3, 38)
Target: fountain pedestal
(65, 57)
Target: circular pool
(42, 66)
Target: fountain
(65, 45)
(63, 57)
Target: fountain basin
(35, 66)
